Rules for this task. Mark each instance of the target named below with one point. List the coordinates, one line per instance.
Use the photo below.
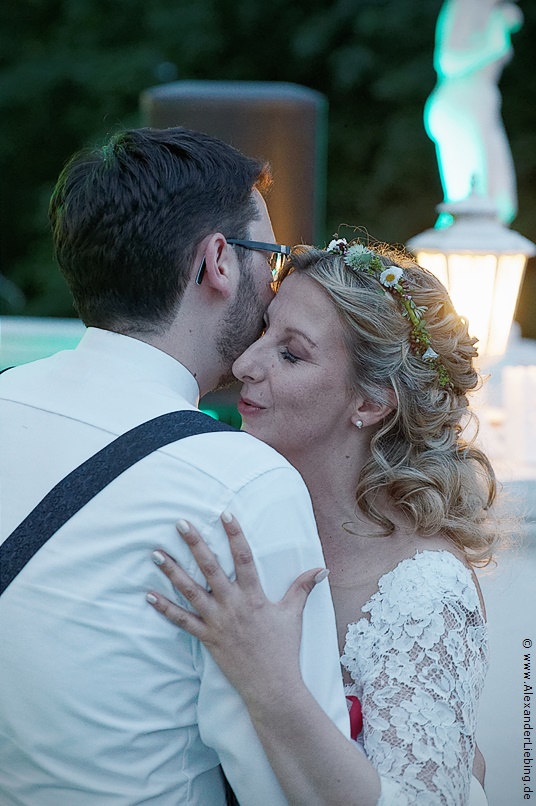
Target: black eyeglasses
(279, 254)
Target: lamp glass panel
(436, 263)
(471, 285)
(510, 270)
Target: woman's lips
(248, 407)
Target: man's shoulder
(231, 456)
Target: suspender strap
(92, 476)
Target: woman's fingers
(205, 559)
(246, 572)
(198, 597)
(178, 615)
(298, 593)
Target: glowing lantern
(481, 262)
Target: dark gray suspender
(92, 476)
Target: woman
(361, 381)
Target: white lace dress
(418, 667)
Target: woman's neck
(349, 537)
(331, 477)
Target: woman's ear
(217, 266)
(368, 412)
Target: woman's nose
(247, 366)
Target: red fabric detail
(356, 716)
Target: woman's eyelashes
(288, 356)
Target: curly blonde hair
(420, 455)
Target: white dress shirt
(102, 701)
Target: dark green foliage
(71, 72)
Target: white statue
(463, 113)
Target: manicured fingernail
(226, 516)
(158, 558)
(183, 526)
(321, 575)
(151, 598)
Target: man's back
(102, 701)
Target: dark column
(282, 123)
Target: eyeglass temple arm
(201, 272)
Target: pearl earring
(358, 423)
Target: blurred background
(72, 72)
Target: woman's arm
(256, 643)
(479, 767)
(420, 661)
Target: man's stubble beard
(242, 325)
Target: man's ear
(219, 271)
(370, 412)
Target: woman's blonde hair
(420, 455)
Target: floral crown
(360, 259)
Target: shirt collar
(143, 359)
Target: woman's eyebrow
(295, 332)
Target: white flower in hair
(429, 354)
(391, 276)
(337, 245)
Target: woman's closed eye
(288, 356)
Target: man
(102, 701)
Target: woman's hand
(254, 641)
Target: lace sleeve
(418, 667)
